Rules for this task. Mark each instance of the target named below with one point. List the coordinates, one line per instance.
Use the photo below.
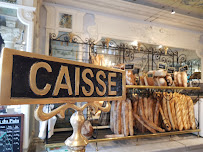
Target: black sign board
(184, 68)
(162, 65)
(11, 133)
(171, 70)
(29, 78)
(129, 66)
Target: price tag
(136, 71)
(162, 65)
(129, 66)
(184, 68)
(171, 70)
(150, 75)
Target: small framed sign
(171, 70)
(184, 68)
(129, 66)
(162, 65)
(28, 78)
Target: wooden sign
(171, 70)
(11, 132)
(184, 68)
(162, 65)
(28, 78)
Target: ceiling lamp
(173, 12)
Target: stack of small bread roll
(160, 113)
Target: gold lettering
(63, 72)
(32, 77)
(88, 82)
(100, 93)
(77, 80)
(111, 83)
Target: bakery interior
(158, 43)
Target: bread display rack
(123, 53)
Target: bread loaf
(135, 103)
(160, 73)
(119, 123)
(151, 124)
(156, 113)
(162, 82)
(112, 116)
(179, 77)
(169, 112)
(150, 78)
(185, 107)
(125, 115)
(165, 110)
(146, 109)
(179, 113)
(87, 129)
(150, 112)
(191, 113)
(184, 79)
(176, 79)
(129, 77)
(173, 113)
(142, 122)
(115, 118)
(131, 130)
(169, 80)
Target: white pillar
(10, 33)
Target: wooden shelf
(161, 87)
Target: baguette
(125, 118)
(169, 113)
(112, 116)
(163, 118)
(135, 104)
(115, 118)
(150, 112)
(184, 113)
(151, 124)
(142, 122)
(146, 110)
(191, 112)
(131, 130)
(165, 110)
(173, 112)
(156, 113)
(119, 123)
(179, 113)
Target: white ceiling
(192, 8)
(143, 10)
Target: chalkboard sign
(171, 70)
(129, 66)
(11, 133)
(184, 68)
(162, 65)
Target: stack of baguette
(162, 113)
